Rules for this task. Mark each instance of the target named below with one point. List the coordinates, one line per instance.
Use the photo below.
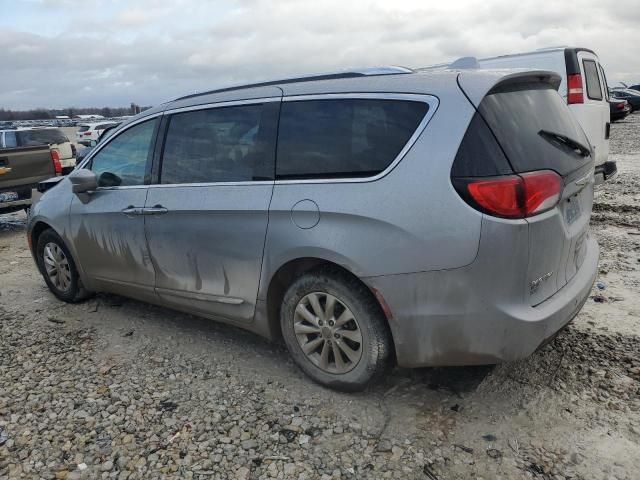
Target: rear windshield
(83, 128)
(41, 137)
(535, 128)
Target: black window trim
(87, 162)
(431, 101)
(607, 97)
(161, 132)
(584, 67)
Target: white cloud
(148, 51)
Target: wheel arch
(293, 269)
(34, 234)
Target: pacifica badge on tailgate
(533, 286)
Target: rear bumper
(605, 172)
(7, 207)
(468, 317)
(25, 194)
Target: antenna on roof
(465, 62)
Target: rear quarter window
(594, 90)
(336, 138)
(522, 117)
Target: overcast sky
(60, 53)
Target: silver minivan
(368, 218)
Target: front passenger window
(123, 161)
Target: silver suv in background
(366, 217)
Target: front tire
(58, 268)
(335, 330)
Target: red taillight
(516, 196)
(499, 196)
(620, 106)
(86, 134)
(55, 158)
(574, 88)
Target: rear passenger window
(594, 91)
(343, 137)
(228, 144)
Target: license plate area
(9, 196)
(572, 210)
(577, 254)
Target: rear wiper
(570, 143)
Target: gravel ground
(114, 388)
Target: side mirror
(83, 181)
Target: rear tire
(59, 269)
(335, 330)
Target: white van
(583, 86)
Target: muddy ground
(113, 388)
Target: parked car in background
(619, 109)
(635, 87)
(86, 150)
(631, 96)
(21, 168)
(583, 85)
(267, 208)
(53, 137)
(91, 131)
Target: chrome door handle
(131, 210)
(155, 210)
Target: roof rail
(349, 73)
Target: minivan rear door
(536, 131)
(593, 114)
(206, 214)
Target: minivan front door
(108, 224)
(206, 218)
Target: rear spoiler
(476, 84)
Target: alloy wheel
(328, 333)
(57, 266)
